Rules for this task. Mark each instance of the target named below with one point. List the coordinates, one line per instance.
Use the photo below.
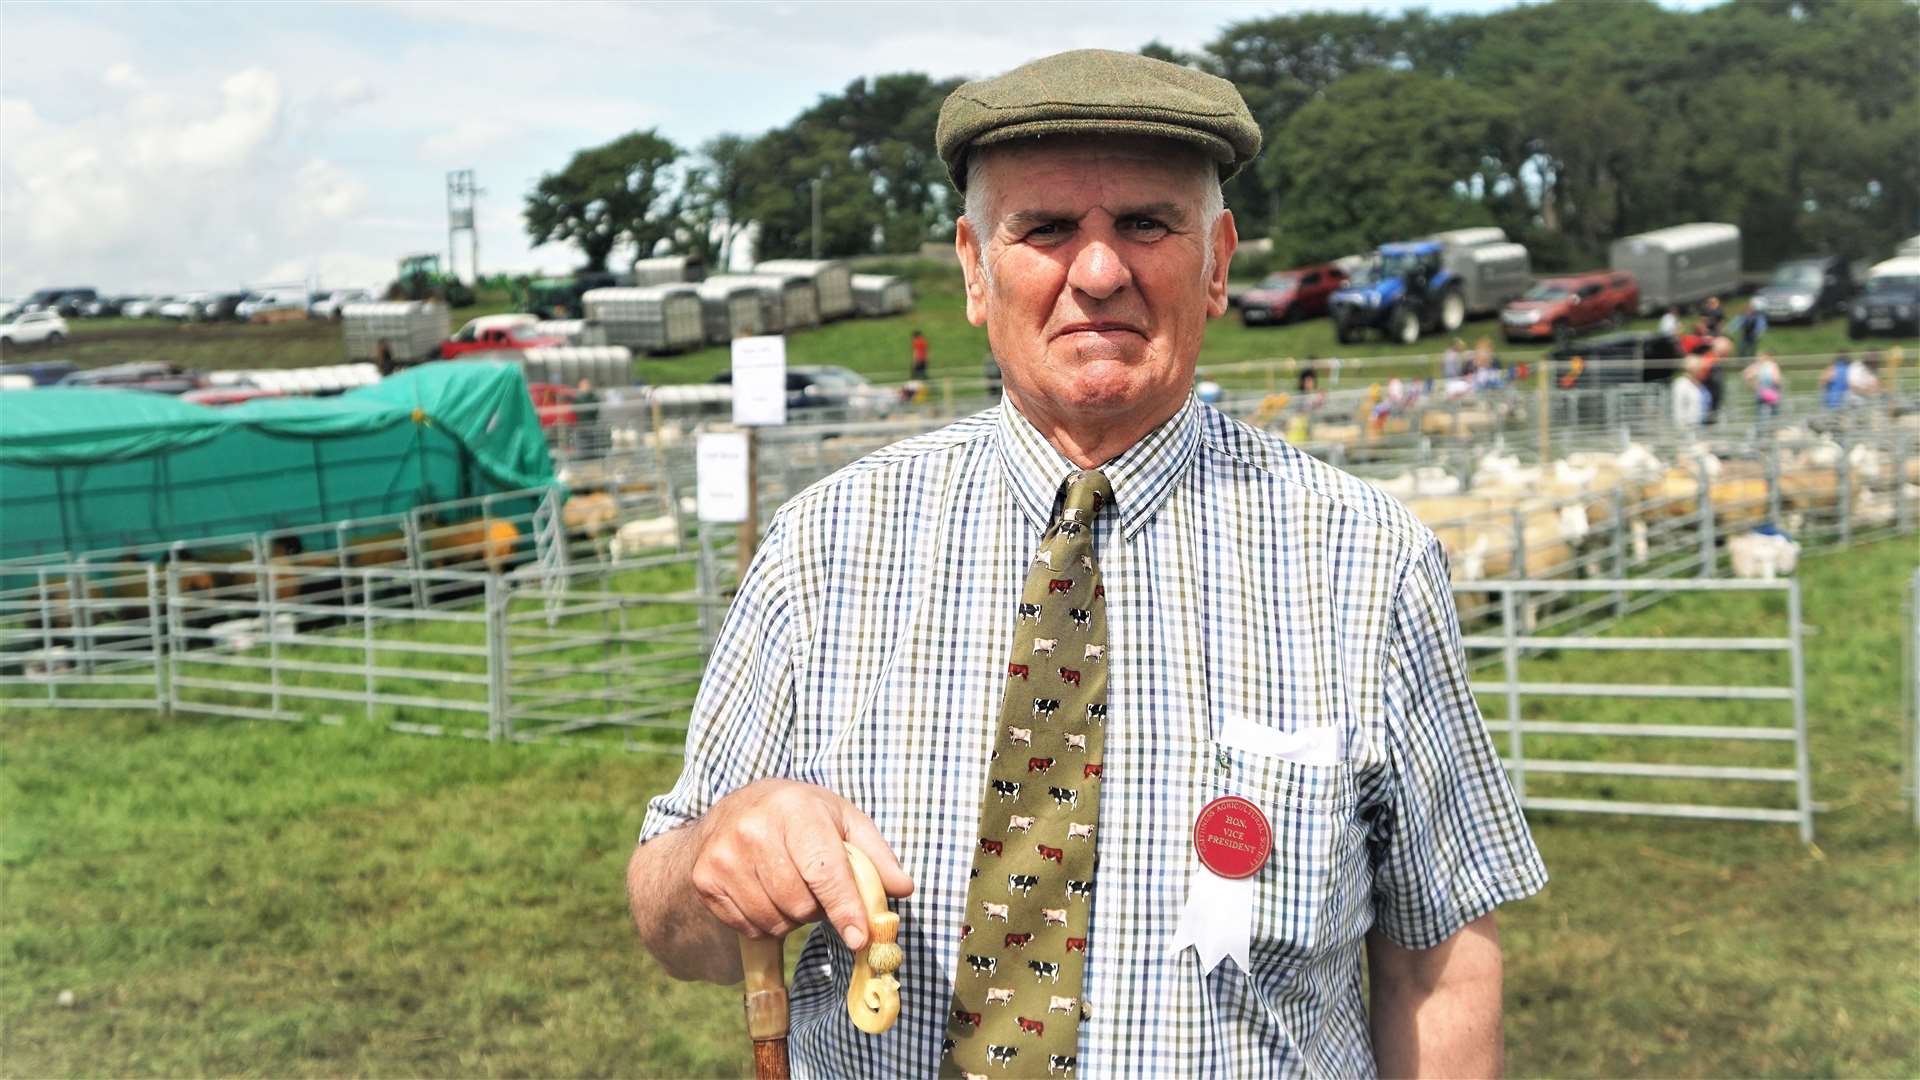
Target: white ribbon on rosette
(1217, 920)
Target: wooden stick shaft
(763, 962)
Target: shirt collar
(1143, 475)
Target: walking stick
(873, 997)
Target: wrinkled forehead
(1077, 173)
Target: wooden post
(1546, 410)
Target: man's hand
(769, 860)
(764, 860)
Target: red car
(491, 333)
(1560, 307)
(1290, 295)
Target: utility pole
(815, 185)
(461, 194)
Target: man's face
(1097, 294)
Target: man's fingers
(862, 834)
(786, 891)
(823, 866)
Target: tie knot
(1087, 492)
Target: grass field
(259, 899)
(877, 348)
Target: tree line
(1568, 124)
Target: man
(1195, 611)
(1753, 326)
(919, 369)
(1691, 401)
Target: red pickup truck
(1290, 295)
(491, 333)
(1560, 307)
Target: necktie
(1023, 943)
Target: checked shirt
(1247, 583)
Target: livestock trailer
(668, 270)
(1681, 265)
(600, 365)
(786, 303)
(832, 281)
(881, 294)
(1490, 273)
(731, 308)
(411, 329)
(654, 319)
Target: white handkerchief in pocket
(1308, 746)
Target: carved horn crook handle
(873, 997)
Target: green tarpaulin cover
(89, 470)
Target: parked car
(268, 301)
(185, 308)
(142, 307)
(104, 307)
(1890, 304)
(40, 372)
(42, 327)
(73, 301)
(1290, 294)
(491, 333)
(1806, 290)
(141, 375)
(830, 392)
(1611, 359)
(329, 304)
(7, 306)
(1560, 307)
(222, 307)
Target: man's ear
(967, 245)
(1225, 241)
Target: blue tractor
(1406, 289)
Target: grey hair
(980, 210)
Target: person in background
(1712, 315)
(1863, 380)
(1670, 322)
(1689, 395)
(1309, 381)
(919, 370)
(1454, 360)
(1834, 381)
(383, 358)
(1713, 374)
(1752, 325)
(1763, 376)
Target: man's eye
(1042, 232)
(1145, 226)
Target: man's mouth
(1100, 327)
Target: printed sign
(720, 476)
(760, 381)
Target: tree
(622, 192)
(1387, 155)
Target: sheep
(643, 534)
(1762, 555)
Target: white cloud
(122, 76)
(326, 192)
(468, 138)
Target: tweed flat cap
(1098, 92)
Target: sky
(164, 147)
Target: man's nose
(1098, 270)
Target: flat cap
(1098, 92)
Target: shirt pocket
(1303, 893)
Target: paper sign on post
(720, 476)
(760, 381)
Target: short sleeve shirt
(1247, 583)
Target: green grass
(269, 899)
(877, 348)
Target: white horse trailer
(1681, 265)
(668, 270)
(654, 319)
(1490, 274)
(411, 329)
(881, 294)
(786, 303)
(601, 365)
(731, 309)
(832, 281)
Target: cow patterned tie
(1023, 943)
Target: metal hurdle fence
(1520, 723)
(1910, 687)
